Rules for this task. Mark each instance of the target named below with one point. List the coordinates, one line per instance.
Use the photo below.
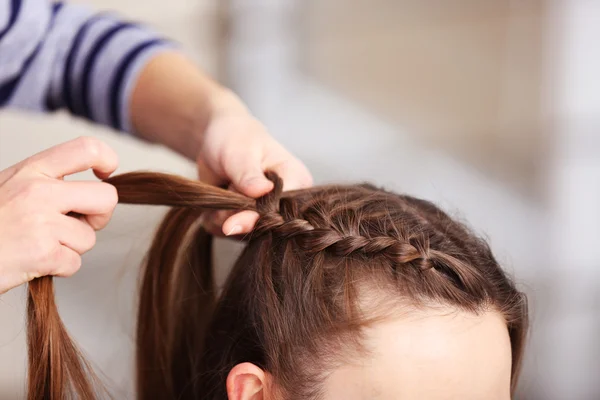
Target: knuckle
(111, 195)
(98, 221)
(106, 197)
(22, 168)
(75, 264)
(89, 145)
(31, 275)
(45, 252)
(33, 189)
(38, 224)
(89, 241)
(25, 165)
(71, 266)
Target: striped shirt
(65, 56)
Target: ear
(246, 382)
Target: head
(343, 291)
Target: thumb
(252, 182)
(207, 175)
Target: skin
(176, 104)
(173, 103)
(433, 354)
(37, 237)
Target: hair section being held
(56, 368)
(177, 294)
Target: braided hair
(292, 303)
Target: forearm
(96, 66)
(66, 56)
(173, 102)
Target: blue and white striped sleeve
(57, 55)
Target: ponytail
(57, 369)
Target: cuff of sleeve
(129, 74)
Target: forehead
(435, 354)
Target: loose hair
(293, 304)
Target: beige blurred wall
(98, 304)
(466, 76)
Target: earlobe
(246, 381)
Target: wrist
(174, 103)
(222, 102)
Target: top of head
(323, 264)
(332, 260)
(329, 261)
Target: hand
(236, 149)
(37, 236)
(176, 104)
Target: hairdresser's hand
(37, 237)
(236, 149)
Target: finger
(75, 233)
(207, 175)
(99, 221)
(294, 174)
(97, 200)
(246, 174)
(240, 223)
(68, 262)
(212, 221)
(253, 183)
(76, 156)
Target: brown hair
(292, 303)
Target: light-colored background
(549, 240)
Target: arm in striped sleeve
(55, 56)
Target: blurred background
(488, 107)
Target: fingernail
(234, 231)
